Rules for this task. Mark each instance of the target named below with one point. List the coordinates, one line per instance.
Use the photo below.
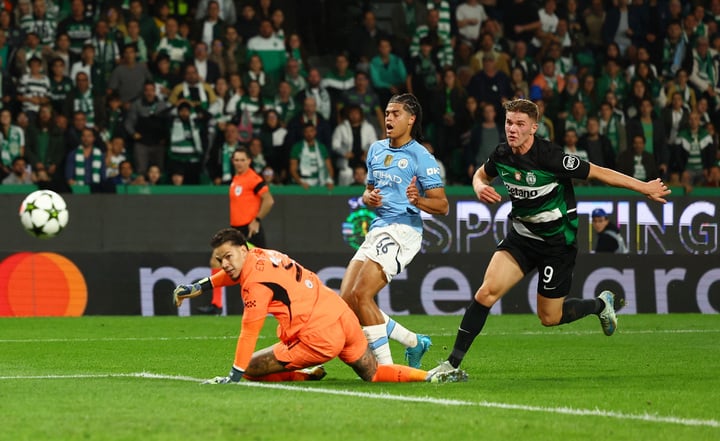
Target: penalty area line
(646, 417)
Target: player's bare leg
(361, 283)
(264, 366)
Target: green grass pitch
(137, 378)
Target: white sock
(399, 333)
(379, 343)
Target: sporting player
(543, 226)
(250, 202)
(314, 324)
(403, 180)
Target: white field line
(440, 334)
(646, 417)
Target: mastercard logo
(41, 285)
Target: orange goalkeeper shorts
(344, 339)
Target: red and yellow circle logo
(41, 285)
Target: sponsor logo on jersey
(403, 163)
(432, 171)
(238, 190)
(521, 193)
(571, 162)
(388, 160)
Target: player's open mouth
(388, 127)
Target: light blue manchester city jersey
(391, 170)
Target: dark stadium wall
(131, 250)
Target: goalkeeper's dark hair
(235, 237)
(412, 106)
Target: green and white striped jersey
(540, 187)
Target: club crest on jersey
(571, 162)
(530, 178)
(238, 190)
(403, 163)
(518, 176)
(388, 160)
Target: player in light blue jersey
(403, 180)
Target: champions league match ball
(44, 214)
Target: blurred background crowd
(148, 92)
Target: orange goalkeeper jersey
(273, 283)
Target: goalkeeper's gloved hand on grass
(233, 377)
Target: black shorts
(258, 239)
(555, 263)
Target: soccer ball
(44, 214)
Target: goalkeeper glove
(183, 292)
(233, 377)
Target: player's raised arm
(434, 201)
(655, 190)
(483, 190)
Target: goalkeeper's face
(231, 258)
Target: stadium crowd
(146, 92)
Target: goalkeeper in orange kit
(314, 324)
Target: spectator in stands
(673, 50)
(713, 177)
(521, 21)
(447, 101)
(547, 32)
(219, 163)
(341, 78)
(364, 41)
(675, 118)
(609, 239)
(90, 66)
(597, 145)
(78, 27)
(285, 104)
(45, 145)
(226, 10)
(208, 70)
(61, 50)
(128, 78)
(612, 126)
(12, 140)
(210, 26)
(60, 84)
(613, 80)
(570, 146)
(199, 94)
(423, 72)
(314, 88)
(127, 176)
(114, 155)
(296, 51)
(107, 55)
(697, 153)
(248, 24)
(589, 94)
(216, 56)
(521, 59)
(350, 142)
(276, 151)
(652, 84)
(310, 163)
(577, 119)
(310, 115)
(84, 164)
(133, 37)
(42, 24)
(146, 124)
(234, 51)
(148, 30)
(636, 162)
(469, 17)
(387, 72)
(270, 49)
(82, 99)
(362, 95)
(546, 127)
(487, 47)
(490, 84)
(256, 72)
(293, 76)
(647, 123)
(20, 173)
(175, 46)
(682, 86)
(187, 145)
(485, 136)
(277, 18)
(441, 40)
(164, 80)
(33, 88)
(253, 105)
(406, 16)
